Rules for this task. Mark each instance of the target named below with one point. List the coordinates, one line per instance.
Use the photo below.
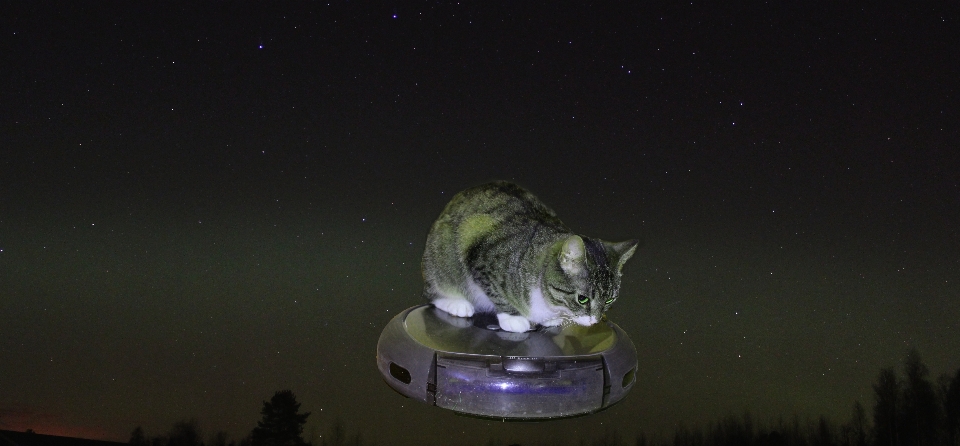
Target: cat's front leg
(516, 324)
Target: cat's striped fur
(497, 248)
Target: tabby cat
(497, 248)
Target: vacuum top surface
(481, 335)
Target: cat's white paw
(516, 324)
(456, 307)
(552, 322)
(586, 321)
(459, 322)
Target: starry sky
(203, 204)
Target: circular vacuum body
(470, 366)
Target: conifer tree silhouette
(951, 406)
(282, 424)
(138, 438)
(185, 433)
(921, 410)
(218, 439)
(886, 412)
(858, 425)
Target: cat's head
(585, 277)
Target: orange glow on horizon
(90, 433)
(22, 418)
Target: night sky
(201, 205)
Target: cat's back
(485, 227)
(500, 200)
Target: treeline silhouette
(908, 410)
(282, 425)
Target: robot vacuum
(472, 367)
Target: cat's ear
(623, 251)
(571, 255)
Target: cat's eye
(609, 301)
(582, 300)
